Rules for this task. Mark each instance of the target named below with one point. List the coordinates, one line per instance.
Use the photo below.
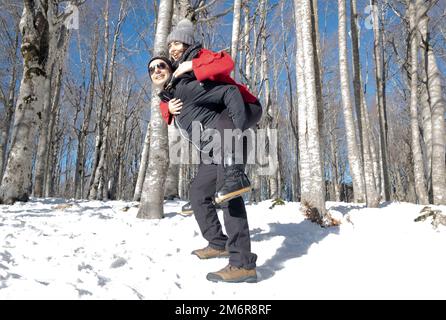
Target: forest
(353, 95)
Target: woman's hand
(183, 68)
(175, 106)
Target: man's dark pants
(209, 178)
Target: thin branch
(219, 15)
(204, 7)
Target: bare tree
(99, 187)
(7, 97)
(151, 206)
(82, 133)
(437, 106)
(246, 42)
(380, 97)
(143, 165)
(34, 27)
(235, 32)
(420, 180)
(317, 66)
(54, 138)
(354, 159)
(312, 184)
(361, 110)
(182, 9)
(269, 118)
(59, 37)
(99, 111)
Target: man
(206, 65)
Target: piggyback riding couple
(196, 86)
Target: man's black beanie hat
(165, 59)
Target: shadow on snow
(299, 237)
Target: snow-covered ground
(60, 249)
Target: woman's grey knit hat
(183, 32)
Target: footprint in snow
(118, 263)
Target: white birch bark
(16, 180)
(100, 182)
(151, 206)
(246, 44)
(420, 180)
(438, 108)
(181, 10)
(268, 105)
(142, 165)
(59, 37)
(172, 178)
(79, 173)
(318, 69)
(99, 111)
(380, 101)
(372, 198)
(8, 99)
(352, 146)
(235, 33)
(312, 182)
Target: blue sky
(138, 34)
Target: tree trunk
(151, 206)
(246, 45)
(143, 165)
(8, 102)
(42, 146)
(319, 75)
(254, 62)
(53, 142)
(352, 146)
(426, 125)
(372, 198)
(312, 182)
(6, 124)
(99, 112)
(4, 135)
(380, 101)
(270, 116)
(181, 10)
(174, 168)
(420, 180)
(79, 172)
(438, 108)
(100, 181)
(59, 37)
(235, 33)
(335, 166)
(67, 166)
(16, 181)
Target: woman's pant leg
(228, 95)
(253, 114)
(243, 115)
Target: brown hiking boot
(209, 252)
(233, 274)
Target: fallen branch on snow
(437, 217)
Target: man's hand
(175, 106)
(183, 68)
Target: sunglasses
(161, 66)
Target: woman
(212, 177)
(213, 105)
